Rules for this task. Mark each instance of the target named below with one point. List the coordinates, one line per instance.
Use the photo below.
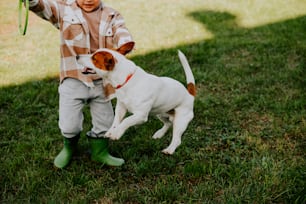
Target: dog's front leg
(135, 119)
(120, 112)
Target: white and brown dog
(141, 94)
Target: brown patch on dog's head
(191, 89)
(104, 61)
(126, 48)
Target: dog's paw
(107, 134)
(168, 151)
(114, 138)
(112, 135)
(158, 134)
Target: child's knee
(70, 131)
(70, 134)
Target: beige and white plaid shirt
(75, 36)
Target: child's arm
(121, 33)
(46, 9)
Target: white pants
(73, 95)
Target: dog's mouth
(87, 70)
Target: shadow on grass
(249, 112)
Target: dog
(141, 94)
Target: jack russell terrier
(141, 94)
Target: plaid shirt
(74, 33)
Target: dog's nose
(77, 57)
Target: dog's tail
(189, 76)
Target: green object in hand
(23, 20)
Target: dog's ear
(126, 48)
(104, 60)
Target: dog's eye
(110, 61)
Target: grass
(246, 143)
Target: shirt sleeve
(121, 33)
(47, 10)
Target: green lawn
(246, 143)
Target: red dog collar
(126, 80)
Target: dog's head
(103, 60)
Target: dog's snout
(77, 57)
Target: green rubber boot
(64, 157)
(99, 152)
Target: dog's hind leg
(167, 124)
(180, 123)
